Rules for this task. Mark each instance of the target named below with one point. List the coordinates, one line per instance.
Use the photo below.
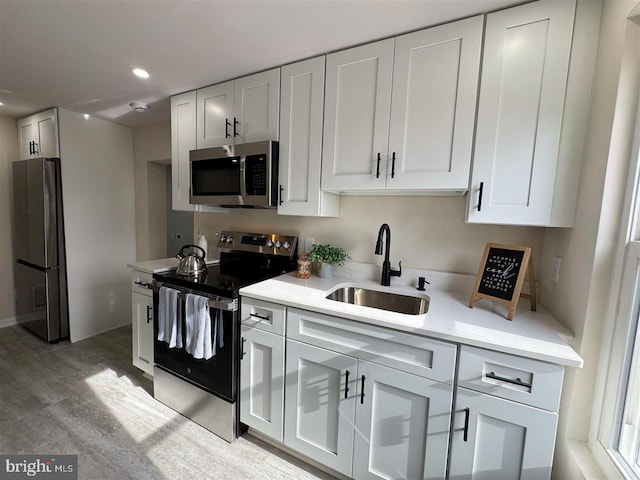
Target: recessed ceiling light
(140, 72)
(86, 116)
(1, 104)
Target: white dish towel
(202, 333)
(169, 321)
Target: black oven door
(219, 374)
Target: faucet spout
(387, 272)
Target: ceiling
(78, 54)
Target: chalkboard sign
(501, 276)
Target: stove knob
(278, 243)
(269, 243)
(286, 245)
(229, 239)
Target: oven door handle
(224, 304)
(221, 303)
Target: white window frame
(619, 336)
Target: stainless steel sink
(393, 302)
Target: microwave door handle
(243, 174)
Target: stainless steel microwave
(244, 175)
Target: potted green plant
(327, 257)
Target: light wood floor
(87, 399)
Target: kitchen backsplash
(426, 232)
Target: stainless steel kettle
(192, 264)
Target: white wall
(99, 210)
(580, 299)
(8, 153)
(426, 232)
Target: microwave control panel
(256, 174)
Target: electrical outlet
(555, 269)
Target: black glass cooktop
(235, 270)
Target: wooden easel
(501, 276)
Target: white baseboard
(8, 322)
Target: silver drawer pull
(261, 317)
(517, 381)
(142, 284)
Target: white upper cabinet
(239, 111)
(214, 123)
(435, 85)
(415, 136)
(38, 135)
(301, 115)
(256, 108)
(183, 139)
(521, 173)
(356, 123)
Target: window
(625, 446)
(618, 432)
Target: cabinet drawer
(410, 353)
(266, 316)
(139, 281)
(523, 380)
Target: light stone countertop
(535, 335)
(161, 265)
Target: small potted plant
(327, 256)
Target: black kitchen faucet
(387, 272)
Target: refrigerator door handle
(37, 267)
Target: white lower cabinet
(142, 322)
(497, 439)
(402, 424)
(262, 381)
(363, 418)
(376, 403)
(505, 416)
(262, 367)
(320, 402)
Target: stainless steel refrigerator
(39, 247)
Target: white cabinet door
(38, 135)
(402, 425)
(496, 439)
(183, 139)
(262, 382)
(301, 109)
(320, 402)
(357, 108)
(435, 84)
(522, 98)
(142, 331)
(214, 115)
(256, 107)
